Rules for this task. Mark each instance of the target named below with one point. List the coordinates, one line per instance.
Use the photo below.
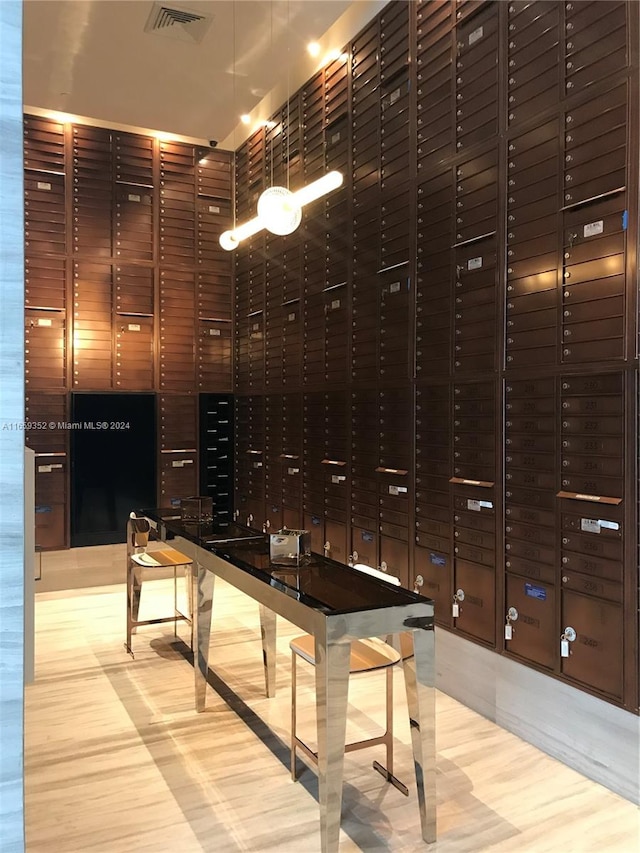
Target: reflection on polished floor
(117, 761)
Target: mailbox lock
(568, 636)
(512, 616)
(457, 598)
(418, 582)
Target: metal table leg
(203, 583)
(268, 633)
(134, 586)
(419, 675)
(332, 684)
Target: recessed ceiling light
(245, 119)
(314, 48)
(63, 118)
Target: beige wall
(11, 437)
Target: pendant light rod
(235, 103)
(288, 88)
(324, 185)
(230, 240)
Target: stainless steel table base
(390, 612)
(419, 676)
(332, 686)
(203, 582)
(268, 633)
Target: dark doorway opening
(113, 464)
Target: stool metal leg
(387, 739)
(189, 573)
(389, 719)
(188, 578)
(175, 602)
(293, 715)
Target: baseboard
(77, 568)
(588, 734)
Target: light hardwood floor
(117, 761)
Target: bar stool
(139, 560)
(366, 656)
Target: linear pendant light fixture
(280, 210)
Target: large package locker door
(313, 412)
(178, 457)
(433, 517)
(337, 479)
(50, 442)
(531, 557)
(395, 480)
(592, 522)
(364, 485)
(475, 511)
(273, 424)
(291, 461)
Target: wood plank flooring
(117, 760)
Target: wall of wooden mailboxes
(438, 370)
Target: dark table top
(319, 582)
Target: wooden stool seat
(165, 558)
(366, 655)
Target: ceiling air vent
(177, 23)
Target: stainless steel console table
(335, 604)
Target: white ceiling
(93, 58)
